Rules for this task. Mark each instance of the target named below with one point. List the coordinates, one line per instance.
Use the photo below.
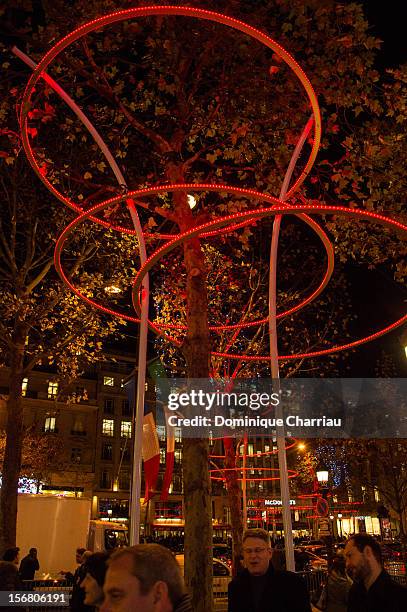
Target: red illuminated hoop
(291, 473)
(196, 187)
(277, 209)
(145, 11)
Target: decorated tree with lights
(180, 100)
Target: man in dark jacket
(261, 588)
(373, 590)
(29, 565)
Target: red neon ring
(198, 13)
(259, 213)
(187, 187)
(272, 452)
(291, 474)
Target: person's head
(78, 554)
(8, 576)
(363, 556)
(33, 552)
(257, 551)
(145, 577)
(12, 555)
(95, 570)
(339, 566)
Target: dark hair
(11, 553)
(95, 565)
(361, 540)
(32, 551)
(80, 551)
(152, 563)
(339, 566)
(261, 534)
(8, 576)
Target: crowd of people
(147, 578)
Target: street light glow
(112, 289)
(301, 446)
(322, 476)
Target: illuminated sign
(278, 502)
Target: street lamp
(322, 477)
(109, 513)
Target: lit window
(125, 429)
(108, 381)
(52, 390)
(161, 432)
(250, 449)
(146, 386)
(50, 424)
(24, 386)
(376, 495)
(163, 455)
(266, 448)
(108, 427)
(178, 434)
(178, 455)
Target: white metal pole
(142, 352)
(275, 371)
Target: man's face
(256, 556)
(122, 589)
(357, 565)
(78, 557)
(93, 591)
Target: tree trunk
(14, 442)
(197, 485)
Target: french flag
(150, 446)
(151, 455)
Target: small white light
(112, 289)
(191, 201)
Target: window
(24, 386)
(126, 407)
(105, 479)
(163, 455)
(125, 429)
(76, 455)
(178, 434)
(177, 455)
(161, 432)
(125, 454)
(78, 428)
(108, 427)
(124, 481)
(108, 381)
(376, 494)
(52, 390)
(50, 424)
(107, 452)
(109, 405)
(168, 509)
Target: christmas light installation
(276, 207)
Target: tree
(41, 453)
(41, 322)
(196, 101)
